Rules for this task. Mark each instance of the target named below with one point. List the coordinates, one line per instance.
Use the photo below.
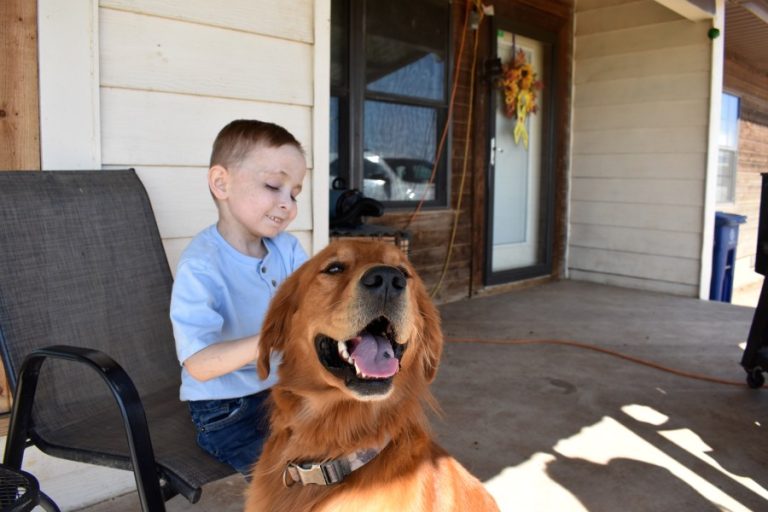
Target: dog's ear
(431, 332)
(274, 330)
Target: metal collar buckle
(332, 471)
(327, 473)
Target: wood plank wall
(173, 73)
(642, 78)
(752, 88)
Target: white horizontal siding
(173, 73)
(151, 128)
(287, 19)
(637, 240)
(639, 191)
(650, 267)
(629, 41)
(685, 139)
(653, 285)
(641, 120)
(159, 54)
(675, 166)
(656, 217)
(648, 115)
(642, 64)
(633, 90)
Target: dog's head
(354, 319)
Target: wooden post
(19, 89)
(19, 109)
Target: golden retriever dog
(360, 343)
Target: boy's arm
(222, 358)
(197, 324)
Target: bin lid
(729, 219)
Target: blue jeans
(232, 430)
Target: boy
(225, 280)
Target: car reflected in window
(393, 179)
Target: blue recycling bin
(724, 255)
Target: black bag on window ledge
(349, 206)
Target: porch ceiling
(746, 32)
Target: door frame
(548, 156)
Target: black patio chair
(85, 288)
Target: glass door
(519, 212)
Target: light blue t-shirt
(221, 294)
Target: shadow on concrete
(504, 406)
(638, 485)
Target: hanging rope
(465, 158)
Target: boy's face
(257, 197)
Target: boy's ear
(218, 181)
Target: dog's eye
(334, 268)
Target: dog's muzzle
(368, 361)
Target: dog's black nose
(385, 280)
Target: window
(389, 98)
(728, 152)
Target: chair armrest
(128, 401)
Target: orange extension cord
(465, 161)
(595, 348)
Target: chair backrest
(82, 263)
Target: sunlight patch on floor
(608, 439)
(693, 444)
(528, 486)
(645, 414)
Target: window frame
(733, 151)
(352, 94)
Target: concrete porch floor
(553, 427)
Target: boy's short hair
(235, 140)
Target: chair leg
(18, 429)
(128, 401)
(48, 504)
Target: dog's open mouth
(368, 361)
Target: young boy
(225, 280)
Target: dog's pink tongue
(374, 356)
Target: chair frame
(126, 396)
(158, 477)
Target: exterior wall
(173, 73)
(149, 84)
(641, 125)
(752, 88)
